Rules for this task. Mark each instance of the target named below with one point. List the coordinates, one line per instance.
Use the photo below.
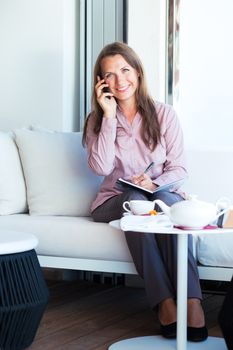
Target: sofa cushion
(56, 172)
(71, 237)
(215, 251)
(12, 185)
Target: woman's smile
(123, 88)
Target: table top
(16, 242)
(174, 230)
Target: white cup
(138, 207)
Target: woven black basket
(23, 299)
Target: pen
(149, 167)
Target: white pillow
(215, 251)
(12, 186)
(56, 172)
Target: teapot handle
(221, 212)
(223, 203)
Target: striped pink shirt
(118, 151)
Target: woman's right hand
(106, 100)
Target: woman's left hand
(143, 180)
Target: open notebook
(122, 184)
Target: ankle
(167, 311)
(196, 316)
(194, 301)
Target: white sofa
(46, 189)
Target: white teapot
(193, 213)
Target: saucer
(207, 227)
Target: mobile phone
(106, 89)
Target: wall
(31, 63)
(206, 73)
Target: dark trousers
(226, 317)
(154, 255)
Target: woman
(124, 133)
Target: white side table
(23, 292)
(181, 343)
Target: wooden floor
(83, 315)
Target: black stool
(23, 292)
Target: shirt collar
(121, 117)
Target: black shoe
(197, 334)
(168, 331)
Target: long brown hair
(145, 105)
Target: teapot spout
(165, 208)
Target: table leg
(182, 279)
